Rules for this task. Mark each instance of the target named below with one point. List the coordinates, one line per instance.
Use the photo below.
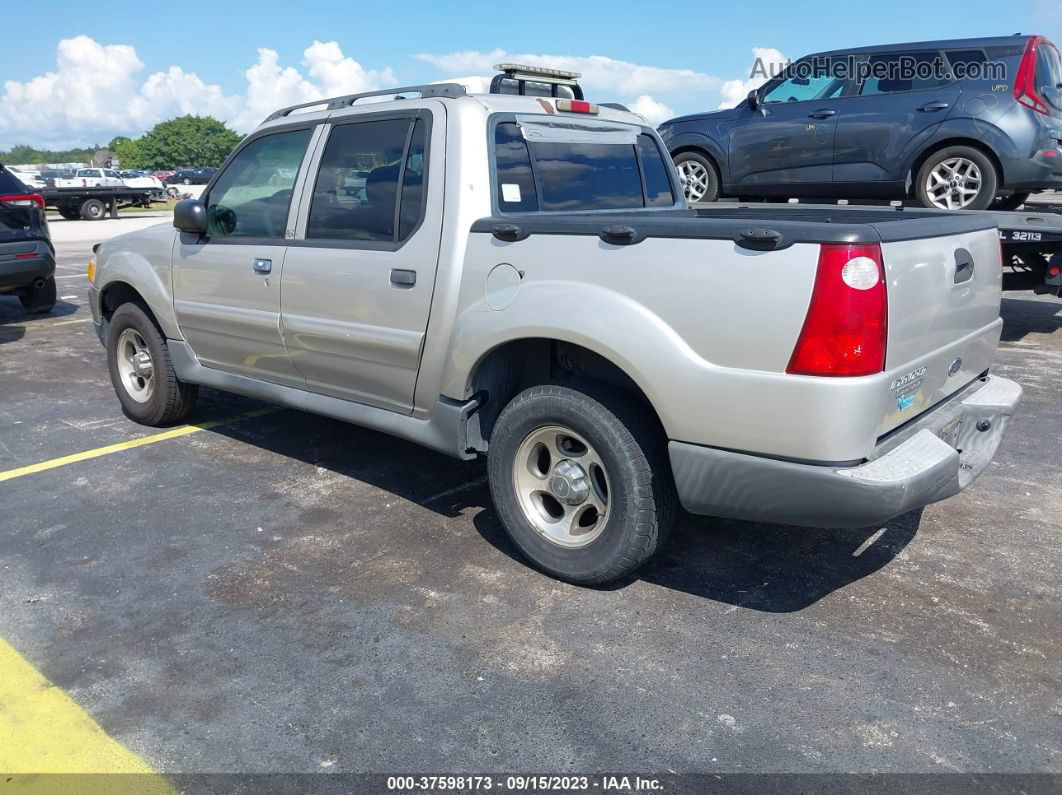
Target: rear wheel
(141, 370)
(956, 178)
(39, 297)
(581, 481)
(699, 180)
(93, 209)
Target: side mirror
(754, 99)
(190, 216)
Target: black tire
(171, 399)
(70, 213)
(633, 449)
(1011, 202)
(93, 210)
(986, 192)
(39, 299)
(711, 188)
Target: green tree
(186, 141)
(129, 152)
(23, 154)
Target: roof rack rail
(451, 90)
(523, 74)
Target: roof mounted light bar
(450, 90)
(522, 74)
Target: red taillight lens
(1025, 83)
(846, 326)
(24, 200)
(576, 106)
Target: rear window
(554, 177)
(10, 184)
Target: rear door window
(561, 176)
(893, 73)
(356, 195)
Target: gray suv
(966, 123)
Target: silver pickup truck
(519, 277)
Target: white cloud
(734, 91)
(655, 112)
(94, 93)
(603, 78)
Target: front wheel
(141, 370)
(581, 481)
(956, 178)
(699, 180)
(93, 209)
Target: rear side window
(10, 185)
(892, 73)
(963, 62)
(556, 176)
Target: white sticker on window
(510, 192)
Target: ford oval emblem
(955, 367)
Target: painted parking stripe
(44, 731)
(143, 441)
(40, 326)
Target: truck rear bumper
(934, 457)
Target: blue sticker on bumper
(905, 402)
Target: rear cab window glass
(252, 196)
(560, 176)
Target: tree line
(184, 141)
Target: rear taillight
(846, 326)
(576, 106)
(1025, 90)
(24, 200)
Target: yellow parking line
(38, 326)
(44, 731)
(184, 430)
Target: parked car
(952, 133)
(31, 179)
(27, 257)
(50, 177)
(191, 176)
(162, 175)
(92, 178)
(553, 304)
(140, 179)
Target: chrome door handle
(822, 114)
(262, 265)
(931, 107)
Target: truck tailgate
(943, 325)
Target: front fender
(142, 260)
(704, 142)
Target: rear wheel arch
(507, 369)
(937, 146)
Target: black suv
(27, 257)
(954, 124)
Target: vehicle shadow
(771, 568)
(14, 320)
(1022, 316)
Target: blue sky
(118, 70)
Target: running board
(445, 430)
